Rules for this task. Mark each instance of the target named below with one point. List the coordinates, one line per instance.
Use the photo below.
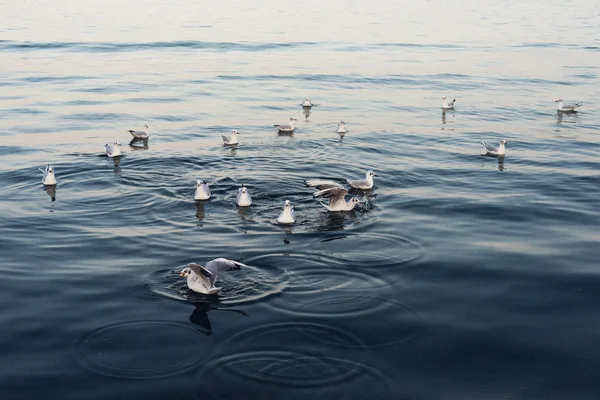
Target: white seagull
(497, 151)
(202, 191)
(243, 198)
(112, 149)
(337, 201)
(306, 103)
(341, 127)
(568, 108)
(202, 279)
(286, 128)
(48, 179)
(287, 215)
(140, 135)
(446, 105)
(232, 140)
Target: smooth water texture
(462, 277)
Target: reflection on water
(203, 305)
(500, 163)
(306, 111)
(200, 214)
(139, 144)
(51, 191)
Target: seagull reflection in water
(306, 111)
(138, 144)
(51, 190)
(204, 304)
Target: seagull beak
(181, 274)
(374, 174)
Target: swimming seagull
(287, 215)
(232, 140)
(337, 201)
(306, 103)
(202, 279)
(568, 108)
(112, 149)
(139, 135)
(363, 184)
(446, 105)
(287, 128)
(48, 179)
(497, 151)
(341, 127)
(202, 191)
(243, 198)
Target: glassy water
(462, 277)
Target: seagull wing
(335, 195)
(489, 147)
(221, 264)
(323, 184)
(200, 270)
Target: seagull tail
(276, 126)
(482, 143)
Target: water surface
(463, 277)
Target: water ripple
(130, 349)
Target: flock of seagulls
(201, 279)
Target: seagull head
(293, 119)
(371, 173)
(117, 144)
(243, 189)
(234, 132)
(342, 122)
(558, 101)
(186, 272)
(355, 201)
(503, 141)
(444, 98)
(287, 204)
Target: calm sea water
(463, 278)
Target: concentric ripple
(285, 374)
(142, 349)
(240, 286)
(299, 335)
(312, 273)
(359, 249)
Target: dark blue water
(463, 277)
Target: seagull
(491, 150)
(48, 179)
(287, 215)
(363, 184)
(306, 103)
(337, 201)
(287, 128)
(446, 105)
(202, 279)
(243, 198)
(112, 149)
(202, 191)
(232, 140)
(568, 108)
(140, 135)
(341, 127)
